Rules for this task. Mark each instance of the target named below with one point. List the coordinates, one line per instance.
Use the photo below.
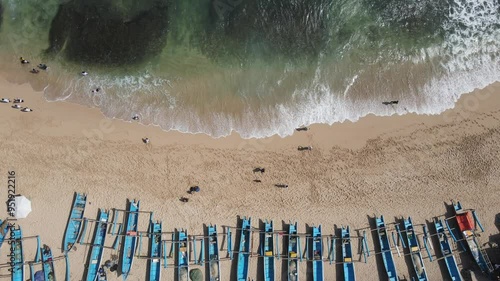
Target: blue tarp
(39, 276)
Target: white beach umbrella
(23, 207)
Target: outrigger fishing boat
(244, 250)
(97, 247)
(154, 251)
(414, 247)
(385, 247)
(446, 251)
(213, 253)
(348, 265)
(467, 224)
(16, 248)
(293, 249)
(182, 256)
(48, 264)
(74, 221)
(130, 239)
(267, 251)
(317, 254)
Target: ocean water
(257, 67)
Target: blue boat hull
(414, 247)
(154, 261)
(182, 256)
(130, 238)
(4, 230)
(267, 251)
(48, 264)
(447, 253)
(16, 246)
(74, 221)
(293, 261)
(244, 250)
(383, 238)
(213, 254)
(317, 254)
(349, 274)
(97, 248)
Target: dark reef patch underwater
(99, 32)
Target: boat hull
(317, 254)
(213, 253)
(348, 265)
(182, 256)
(154, 261)
(414, 248)
(16, 248)
(48, 264)
(74, 221)
(293, 265)
(467, 226)
(244, 250)
(130, 238)
(446, 251)
(385, 248)
(267, 251)
(97, 248)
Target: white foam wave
(468, 57)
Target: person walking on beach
(258, 169)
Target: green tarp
(196, 274)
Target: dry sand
(396, 166)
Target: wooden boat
(467, 226)
(446, 251)
(317, 254)
(385, 248)
(4, 229)
(154, 262)
(349, 274)
(182, 256)
(97, 247)
(130, 239)
(16, 249)
(74, 221)
(48, 264)
(213, 253)
(267, 245)
(414, 247)
(293, 249)
(244, 250)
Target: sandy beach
(394, 166)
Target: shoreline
(466, 102)
(396, 166)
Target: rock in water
(99, 32)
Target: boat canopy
(466, 221)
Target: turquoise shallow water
(258, 67)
